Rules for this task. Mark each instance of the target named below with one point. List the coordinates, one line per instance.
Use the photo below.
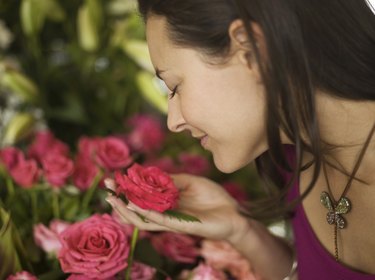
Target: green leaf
(8, 251)
(181, 216)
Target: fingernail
(109, 200)
(109, 183)
(130, 207)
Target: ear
(241, 45)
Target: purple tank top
(314, 261)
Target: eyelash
(173, 93)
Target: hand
(199, 197)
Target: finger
(110, 184)
(182, 180)
(162, 219)
(132, 218)
(120, 217)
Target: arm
(271, 256)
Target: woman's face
(222, 105)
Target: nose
(176, 121)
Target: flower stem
(90, 192)
(10, 186)
(131, 254)
(34, 207)
(55, 204)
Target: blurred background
(80, 69)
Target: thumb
(182, 180)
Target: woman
(248, 77)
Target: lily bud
(54, 11)
(96, 13)
(19, 84)
(32, 16)
(152, 91)
(20, 126)
(138, 51)
(10, 256)
(121, 7)
(88, 36)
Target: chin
(228, 166)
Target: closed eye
(173, 93)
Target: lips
(204, 140)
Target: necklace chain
(342, 206)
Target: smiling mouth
(204, 141)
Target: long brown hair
(311, 44)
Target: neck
(344, 128)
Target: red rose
(96, 247)
(25, 173)
(149, 188)
(44, 144)
(23, 275)
(84, 173)
(10, 156)
(112, 153)
(236, 191)
(164, 163)
(194, 164)
(87, 146)
(142, 271)
(178, 247)
(83, 277)
(147, 135)
(57, 168)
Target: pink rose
(178, 247)
(48, 238)
(194, 164)
(10, 156)
(147, 135)
(165, 163)
(84, 277)
(204, 272)
(96, 247)
(236, 191)
(148, 188)
(87, 146)
(57, 168)
(222, 256)
(142, 271)
(23, 275)
(25, 173)
(84, 173)
(44, 144)
(112, 153)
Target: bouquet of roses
(55, 223)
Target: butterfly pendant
(335, 210)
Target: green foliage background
(80, 91)
(74, 67)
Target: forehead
(157, 38)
